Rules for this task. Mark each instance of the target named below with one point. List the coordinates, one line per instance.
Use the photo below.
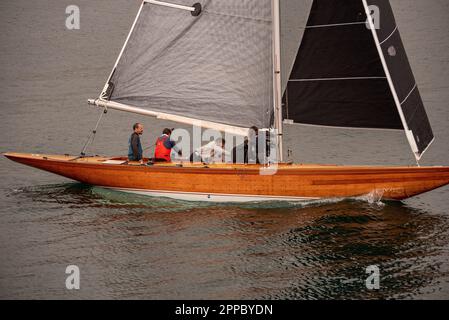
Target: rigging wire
(150, 147)
(91, 138)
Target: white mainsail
(214, 67)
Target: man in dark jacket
(135, 151)
(249, 149)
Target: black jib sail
(353, 72)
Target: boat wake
(84, 195)
(373, 198)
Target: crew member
(135, 151)
(164, 145)
(249, 149)
(213, 152)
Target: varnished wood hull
(243, 182)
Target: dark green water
(136, 247)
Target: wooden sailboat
(241, 183)
(230, 64)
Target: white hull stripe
(210, 197)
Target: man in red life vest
(164, 145)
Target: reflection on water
(142, 247)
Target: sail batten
(338, 79)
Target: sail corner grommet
(198, 8)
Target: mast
(277, 86)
